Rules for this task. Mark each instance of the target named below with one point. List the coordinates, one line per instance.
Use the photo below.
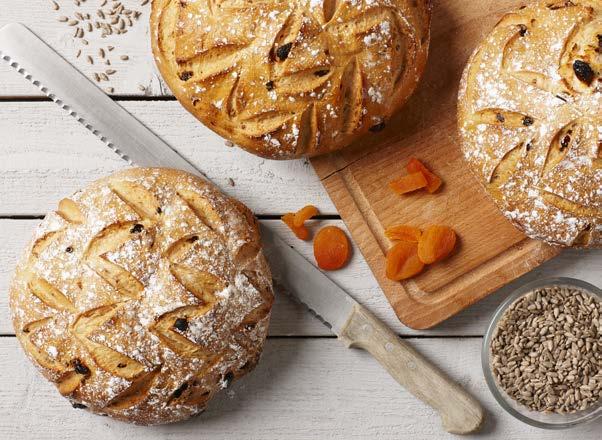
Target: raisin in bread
(143, 295)
(285, 79)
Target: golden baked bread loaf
(285, 79)
(530, 118)
(143, 295)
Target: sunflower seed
(114, 18)
(545, 350)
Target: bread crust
(290, 79)
(143, 295)
(530, 120)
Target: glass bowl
(524, 414)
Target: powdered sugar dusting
(229, 334)
(253, 70)
(531, 124)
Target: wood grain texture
(301, 389)
(291, 319)
(459, 412)
(491, 252)
(47, 155)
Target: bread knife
(135, 143)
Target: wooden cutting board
(491, 252)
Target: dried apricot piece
(331, 248)
(304, 214)
(409, 183)
(301, 232)
(433, 181)
(403, 262)
(403, 233)
(436, 243)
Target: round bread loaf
(143, 295)
(285, 79)
(530, 111)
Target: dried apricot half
(433, 181)
(305, 214)
(301, 232)
(403, 261)
(331, 248)
(409, 183)
(403, 233)
(436, 243)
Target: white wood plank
(290, 319)
(46, 155)
(302, 389)
(139, 70)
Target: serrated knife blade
(325, 299)
(134, 142)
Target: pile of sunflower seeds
(111, 19)
(546, 352)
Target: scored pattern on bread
(50, 295)
(70, 374)
(531, 123)
(149, 288)
(109, 239)
(109, 360)
(69, 210)
(287, 79)
(136, 392)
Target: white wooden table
(307, 385)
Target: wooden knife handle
(459, 412)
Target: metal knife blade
(330, 303)
(135, 143)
